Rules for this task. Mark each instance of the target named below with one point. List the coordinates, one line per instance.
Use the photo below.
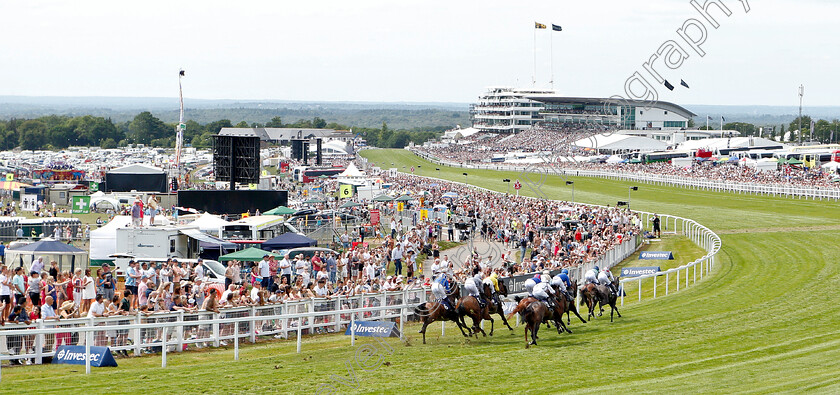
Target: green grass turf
(764, 321)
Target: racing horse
(534, 313)
(470, 306)
(606, 296)
(434, 311)
(599, 295)
(570, 303)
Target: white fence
(176, 331)
(787, 191)
(687, 273)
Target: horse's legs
(423, 330)
(477, 325)
(534, 331)
(504, 320)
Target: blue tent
(287, 241)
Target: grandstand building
(509, 110)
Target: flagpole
(551, 55)
(721, 122)
(707, 121)
(534, 78)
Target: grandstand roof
(619, 142)
(594, 100)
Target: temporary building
(68, 257)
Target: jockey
(542, 292)
(591, 276)
(545, 277)
(605, 278)
(529, 286)
(493, 280)
(564, 275)
(440, 288)
(558, 282)
(471, 285)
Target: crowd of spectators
(558, 141)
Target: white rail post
(640, 289)
(353, 329)
(300, 323)
(88, 340)
(678, 280)
(654, 285)
(236, 341)
(39, 343)
(443, 328)
(163, 346)
(180, 331)
(216, 335)
(138, 333)
(402, 318)
(253, 327)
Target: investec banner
(373, 329)
(75, 355)
(656, 255)
(639, 271)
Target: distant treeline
(57, 132)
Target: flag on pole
(722, 118)
(683, 83)
(538, 25)
(708, 117)
(556, 28)
(668, 85)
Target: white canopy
(209, 223)
(621, 142)
(832, 166)
(351, 172)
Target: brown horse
(497, 307)
(470, 306)
(606, 296)
(599, 295)
(590, 297)
(433, 311)
(569, 303)
(534, 313)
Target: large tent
(251, 254)
(288, 240)
(614, 143)
(280, 210)
(351, 172)
(103, 241)
(141, 178)
(68, 257)
(209, 223)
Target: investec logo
(358, 328)
(656, 255)
(65, 355)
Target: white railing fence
(174, 331)
(685, 274)
(744, 188)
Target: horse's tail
(515, 309)
(421, 309)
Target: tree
(109, 143)
(242, 124)
(275, 122)
(146, 127)
(32, 134)
(319, 123)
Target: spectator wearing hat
(137, 213)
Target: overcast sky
(414, 51)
